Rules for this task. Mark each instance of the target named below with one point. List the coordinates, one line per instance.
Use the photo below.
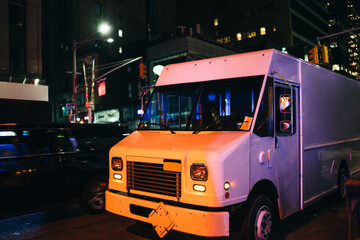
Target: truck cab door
(286, 159)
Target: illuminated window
(227, 39)
(238, 36)
(335, 67)
(120, 50)
(262, 31)
(98, 8)
(216, 22)
(251, 34)
(120, 33)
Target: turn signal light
(226, 185)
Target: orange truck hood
(163, 144)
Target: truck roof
(237, 65)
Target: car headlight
(117, 163)
(198, 171)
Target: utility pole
(104, 29)
(92, 99)
(74, 81)
(112, 70)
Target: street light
(103, 29)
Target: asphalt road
(326, 219)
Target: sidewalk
(325, 220)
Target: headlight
(117, 163)
(198, 172)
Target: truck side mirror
(285, 107)
(285, 103)
(285, 126)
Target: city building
(288, 25)
(344, 43)
(20, 38)
(23, 90)
(292, 26)
(353, 21)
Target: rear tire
(259, 221)
(342, 177)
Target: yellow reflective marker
(172, 165)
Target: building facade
(344, 43)
(289, 25)
(20, 38)
(23, 90)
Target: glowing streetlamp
(158, 69)
(103, 29)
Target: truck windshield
(220, 105)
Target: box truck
(226, 145)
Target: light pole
(103, 29)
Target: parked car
(56, 162)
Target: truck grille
(150, 177)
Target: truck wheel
(93, 195)
(260, 219)
(343, 176)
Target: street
(326, 219)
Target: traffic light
(324, 54)
(319, 54)
(142, 71)
(314, 55)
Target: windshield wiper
(228, 124)
(161, 125)
(204, 127)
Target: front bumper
(202, 223)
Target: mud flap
(161, 220)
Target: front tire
(93, 195)
(260, 218)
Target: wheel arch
(268, 188)
(240, 226)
